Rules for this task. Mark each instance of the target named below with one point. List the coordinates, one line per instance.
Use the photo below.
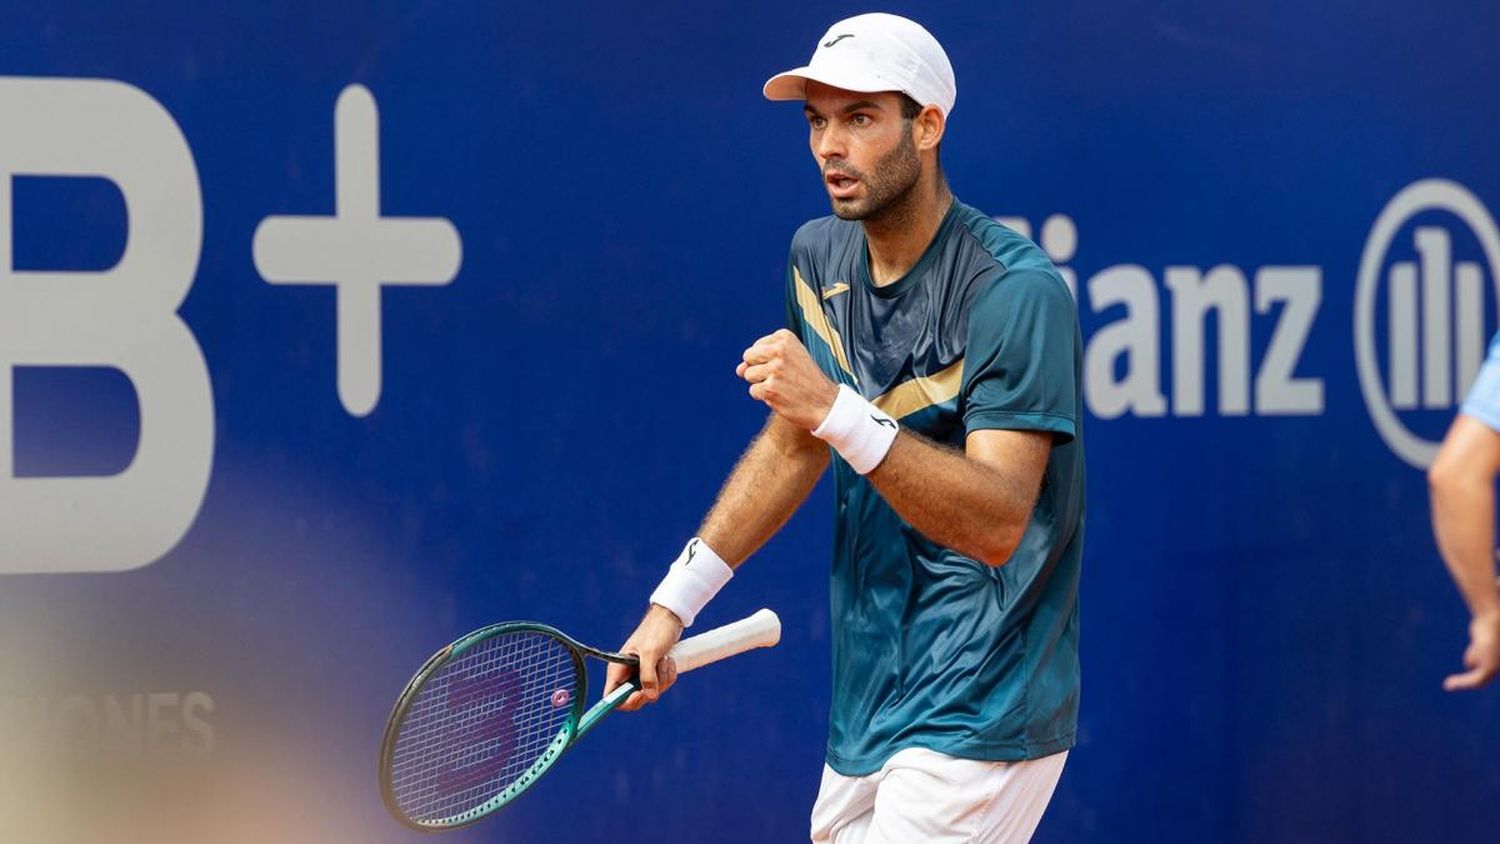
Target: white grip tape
(695, 577)
(761, 630)
(860, 431)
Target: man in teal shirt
(933, 357)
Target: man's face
(863, 147)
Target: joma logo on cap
(836, 39)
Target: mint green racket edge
(565, 739)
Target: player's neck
(899, 235)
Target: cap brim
(792, 85)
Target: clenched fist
(782, 374)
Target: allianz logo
(1421, 324)
(1426, 297)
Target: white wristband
(694, 578)
(860, 431)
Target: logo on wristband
(882, 420)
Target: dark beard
(889, 186)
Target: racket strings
(481, 722)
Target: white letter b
(124, 318)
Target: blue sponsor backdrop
(1266, 623)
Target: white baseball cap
(874, 52)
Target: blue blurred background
(1266, 623)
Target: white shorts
(921, 796)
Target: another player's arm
(767, 485)
(1462, 481)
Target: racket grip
(760, 630)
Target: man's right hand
(657, 633)
(1482, 657)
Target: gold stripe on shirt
(812, 313)
(922, 392)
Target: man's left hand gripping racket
(486, 716)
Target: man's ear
(930, 125)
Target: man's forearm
(958, 501)
(977, 501)
(1463, 507)
(768, 484)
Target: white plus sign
(357, 250)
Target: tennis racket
(486, 716)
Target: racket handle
(761, 630)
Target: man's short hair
(910, 108)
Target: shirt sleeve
(1483, 401)
(1021, 362)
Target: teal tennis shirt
(931, 648)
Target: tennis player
(1462, 480)
(933, 357)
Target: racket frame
(762, 629)
(578, 723)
